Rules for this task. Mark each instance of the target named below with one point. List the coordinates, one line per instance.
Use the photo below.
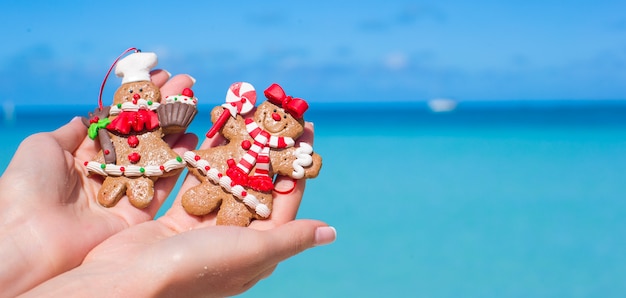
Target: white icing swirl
(182, 99)
(134, 170)
(303, 159)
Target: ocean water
(516, 199)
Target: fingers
(176, 84)
(286, 205)
(159, 77)
(70, 135)
(288, 192)
(296, 236)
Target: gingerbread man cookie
(263, 142)
(130, 133)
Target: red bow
(294, 106)
(136, 121)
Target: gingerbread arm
(296, 162)
(95, 124)
(307, 163)
(235, 124)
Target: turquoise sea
(493, 199)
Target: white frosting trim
(182, 99)
(303, 159)
(225, 182)
(130, 106)
(134, 170)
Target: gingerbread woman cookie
(130, 133)
(238, 177)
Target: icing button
(245, 144)
(133, 141)
(134, 157)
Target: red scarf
(136, 121)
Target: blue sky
(323, 51)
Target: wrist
(24, 259)
(103, 278)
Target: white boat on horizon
(442, 105)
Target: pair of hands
(56, 239)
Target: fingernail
(169, 75)
(76, 118)
(325, 235)
(192, 79)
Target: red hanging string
(109, 72)
(286, 192)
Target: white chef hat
(136, 67)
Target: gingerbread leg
(202, 199)
(140, 191)
(234, 213)
(112, 190)
(265, 198)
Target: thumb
(70, 135)
(296, 236)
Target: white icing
(182, 99)
(225, 182)
(134, 170)
(130, 106)
(303, 159)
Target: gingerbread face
(137, 90)
(277, 121)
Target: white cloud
(396, 61)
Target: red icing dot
(232, 183)
(219, 175)
(246, 144)
(207, 168)
(197, 157)
(134, 157)
(244, 193)
(86, 163)
(162, 168)
(243, 99)
(133, 141)
(122, 169)
(233, 104)
(106, 152)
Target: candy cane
(240, 99)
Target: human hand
(50, 218)
(152, 260)
(188, 256)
